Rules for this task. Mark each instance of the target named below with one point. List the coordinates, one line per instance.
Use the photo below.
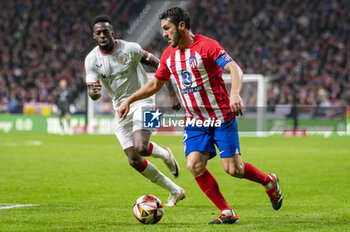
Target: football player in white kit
(116, 63)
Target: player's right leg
(151, 172)
(69, 126)
(196, 164)
(199, 148)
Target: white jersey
(120, 70)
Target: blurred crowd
(302, 47)
(43, 41)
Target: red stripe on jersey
(219, 88)
(191, 95)
(203, 93)
(173, 70)
(90, 83)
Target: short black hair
(176, 15)
(102, 18)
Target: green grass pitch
(84, 183)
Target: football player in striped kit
(195, 62)
(116, 63)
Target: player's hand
(175, 103)
(123, 109)
(236, 104)
(96, 88)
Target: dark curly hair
(176, 15)
(102, 18)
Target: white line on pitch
(9, 206)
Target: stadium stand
(43, 41)
(303, 47)
(299, 45)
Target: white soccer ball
(148, 209)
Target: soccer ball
(148, 209)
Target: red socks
(143, 166)
(210, 187)
(254, 174)
(150, 149)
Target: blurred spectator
(303, 43)
(292, 42)
(43, 41)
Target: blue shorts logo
(186, 78)
(151, 118)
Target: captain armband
(224, 59)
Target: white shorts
(124, 129)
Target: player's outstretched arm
(149, 59)
(236, 103)
(95, 90)
(146, 91)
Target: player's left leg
(227, 140)
(69, 127)
(142, 142)
(60, 118)
(144, 147)
(235, 167)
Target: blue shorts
(202, 139)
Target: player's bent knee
(235, 172)
(141, 149)
(135, 162)
(196, 168)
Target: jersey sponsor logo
(192, 90)
(151, 118)
(105, 76)
(172, 66)
(193, 62)
(186, 78)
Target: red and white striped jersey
(199, 79)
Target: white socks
(151, 172)
(228, 212)
(159, 152)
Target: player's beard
(176, 39)
(108, 47)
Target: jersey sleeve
(136, 51)
(218, 53)
(91, 74)
(163, 73)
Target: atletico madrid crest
(193, 62)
